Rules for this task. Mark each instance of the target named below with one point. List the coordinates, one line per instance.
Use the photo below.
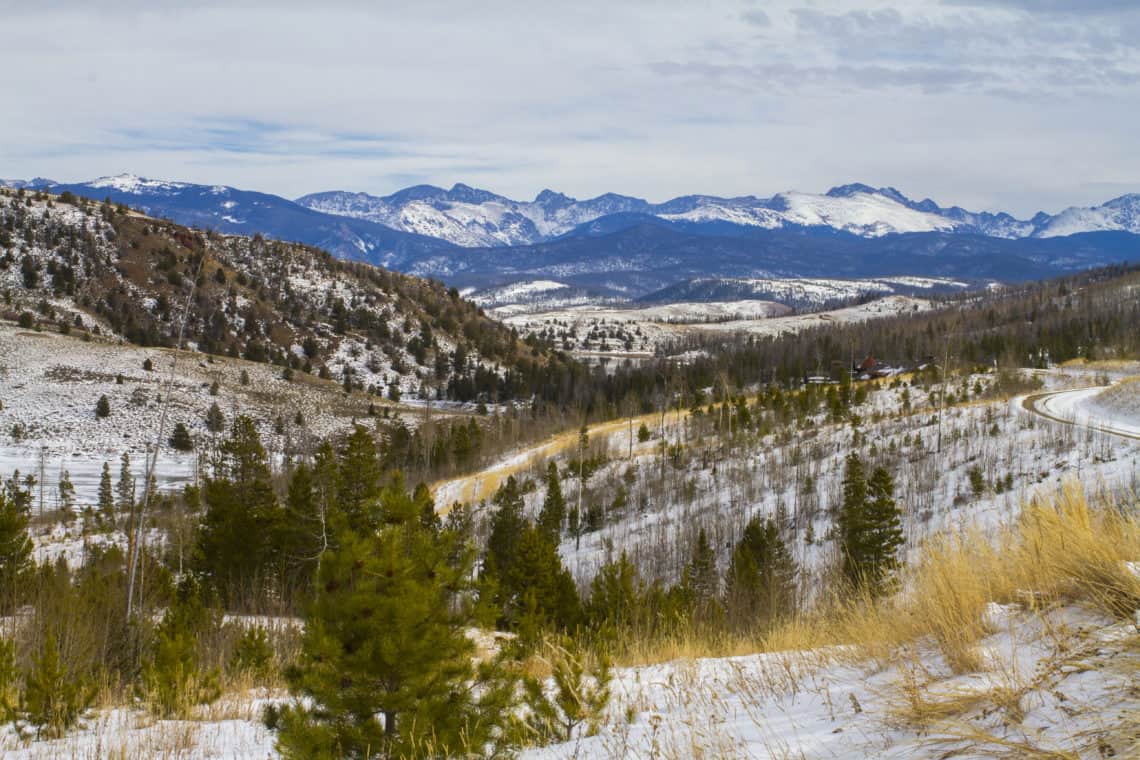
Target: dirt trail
(472, 488)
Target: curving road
(1066, 408)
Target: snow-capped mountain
(616, 246)
(470, 217)
(1119, 214)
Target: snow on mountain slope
(468, 217)
(1121, 213)
(471, 217)
(132, 183)
(862, 213)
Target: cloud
(970, 103)
(1083, 7)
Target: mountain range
(623, 246)
(477, 218)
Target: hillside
(85, 267)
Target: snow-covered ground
(643, 330)
(230, 729)
(1060, 681)
(1055, 683)
(50, 383)
(796, 475)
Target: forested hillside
(70, 264)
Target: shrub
(253, 654)
(54, 698)
(103, 407)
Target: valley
(587, 473)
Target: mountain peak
(416, 193)
(846, 191)
(856, 188)
(551, 198)
(461, 193)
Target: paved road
(1058, 406)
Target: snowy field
(637, 331)
(49, 385)
(1066, 673)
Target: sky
(1016, 105)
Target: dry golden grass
(1060, 550)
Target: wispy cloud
(969, 101)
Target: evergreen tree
(358, 481)
(180, 439)
(615, 595)
(66, 491)
(553, 506)
(125, 489)
(106, 494)
(870, 529)
(236, 542)
(215, 420)
(386, 668)
(884, 527)
(760, 584)
(54, 697)
(701, 581)
(9, 677)
(304, 530)
(537, 571)
(172, 679)
(15, 547)
(103, 407)
(507, 527)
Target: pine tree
(54, 697)
(701, 580)
(66, 491)
(358, 481)
(884, 526)
(537, 569)
(103, 407)
(870, 529)
(215, 420)
(304, 530)
(386, 668)
(9, 678)
(125, 489)
(106, 495)
(507, 527)
(236, 544)
(15, 547)
(180, 439)
(172, 680)
(553, 512)
(615, 595)
(760, 584)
